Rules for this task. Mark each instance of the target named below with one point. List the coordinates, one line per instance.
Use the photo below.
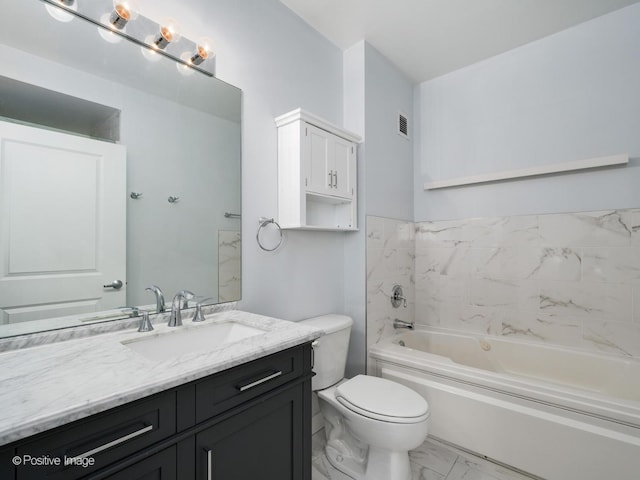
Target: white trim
(531, 171)
(300, 114)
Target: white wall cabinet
(317, 173)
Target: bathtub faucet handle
(397, 297)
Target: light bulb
(169, 32)
(204, 50)
(123, 11)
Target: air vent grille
(403, 125)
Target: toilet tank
(330, 353)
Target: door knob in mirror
(116, 285)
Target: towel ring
(264, 221)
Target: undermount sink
(191, 340)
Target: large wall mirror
(113, 168)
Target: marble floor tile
(430, 461)
(423, 473)
(434, 457)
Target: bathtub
(555, 413)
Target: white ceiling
(428, 38)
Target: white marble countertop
(49, 385)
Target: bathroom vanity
(239, 411)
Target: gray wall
(570, 96)
(280, 64)
(389, 169)
(374, 92)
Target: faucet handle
(145, 323)
(186, 296)
(397, 297)
(199, 316)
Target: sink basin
(191, 340)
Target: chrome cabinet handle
(209, 465)
(113, 443)
(314, 344)
(243, 388)
(335, 179)
(330, 178)
(116, 285)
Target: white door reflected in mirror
(58, 223)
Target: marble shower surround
(390, 261)
(565, 279)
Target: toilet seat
(382, 399)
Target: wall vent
(403, 125)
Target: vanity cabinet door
(161, 466)
(265, 441)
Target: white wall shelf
(565, 167)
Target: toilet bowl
(370, 423)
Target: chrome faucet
(180, 300)
(159, 297)
(199, 316)
(397, 323)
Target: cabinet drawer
(93, 443)
(239, 384)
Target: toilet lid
(382, 399)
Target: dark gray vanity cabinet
(251, 421)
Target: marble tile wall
(390, 261)
(565, 279)
(229, 265)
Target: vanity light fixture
(112, 26)
(57, 9)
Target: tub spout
(402, 324)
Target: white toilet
(371, 423)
